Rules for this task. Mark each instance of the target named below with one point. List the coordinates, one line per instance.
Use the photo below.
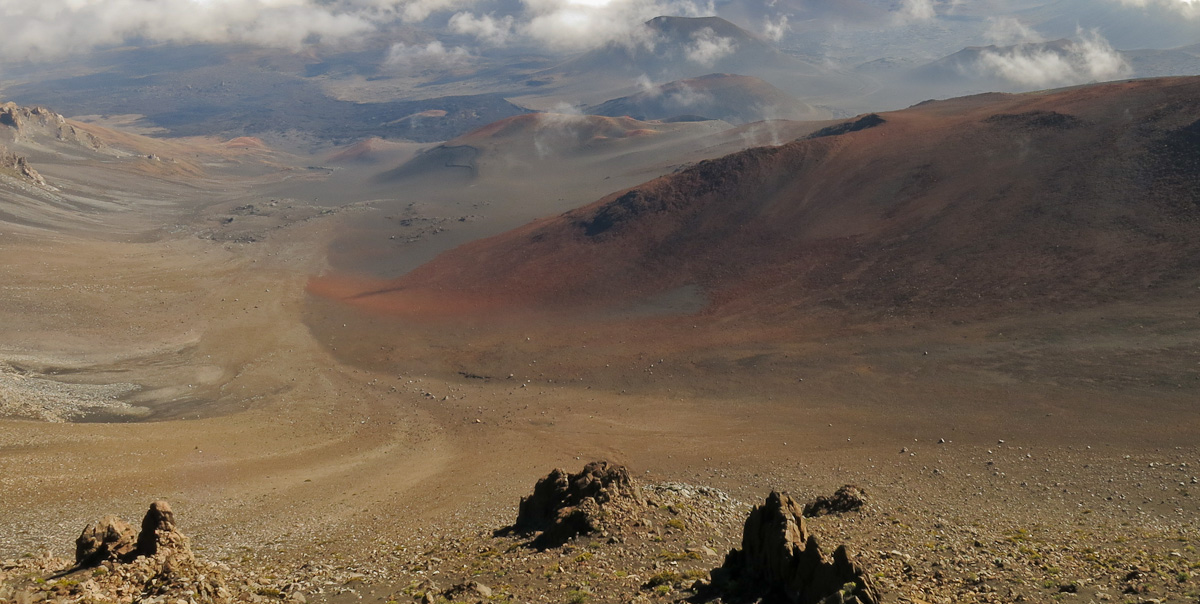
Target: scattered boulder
(563, 505)
(107, 539)
(780, 561)
(846, 499)
(469, 591)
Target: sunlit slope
(1076, 196)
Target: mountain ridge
(882, 219)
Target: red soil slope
(1072, 197)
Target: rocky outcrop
(158, 531)
(563, 505)
(158, 562)
(867, 121)
(107, 539)
(846, 499)
(19, 123)
(20, 166)
(112, 539)
(20, 119)
(780, 561)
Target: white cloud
(486, 29)
(52, 28)
(435, 55)
(1090, 59)
(916, 10)
(706, 47)
(560, 129)
(567, 25)
(685, 96)
(775, 30)
(647, 86)
(1187, 8)
(416, 11)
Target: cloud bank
(55, 28)
(487, 29)
(775, 30)
(1187, 8)
(569, 25)
(1091, 59)
(706, 47)
(416, 57)
(916, 10)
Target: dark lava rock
(780, 562)
(1036, 120)
(623, 209)
(846, 499)
(563, 505)
(867, 121)
(109, 538)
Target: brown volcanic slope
(66, 175)
(1078, 196)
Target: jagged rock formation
(107, 539)
(112, 539)
(158, 530)
(846, 499)
(563, 505)
(780, 561)
(20, 166)
(157, 562)
(26, 123)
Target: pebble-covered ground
(1005, 524)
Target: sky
(53, 29)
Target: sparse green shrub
(678, 556)
(666, 577)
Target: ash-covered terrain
(859, 302)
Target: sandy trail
(257, 419)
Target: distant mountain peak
(687, 26)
